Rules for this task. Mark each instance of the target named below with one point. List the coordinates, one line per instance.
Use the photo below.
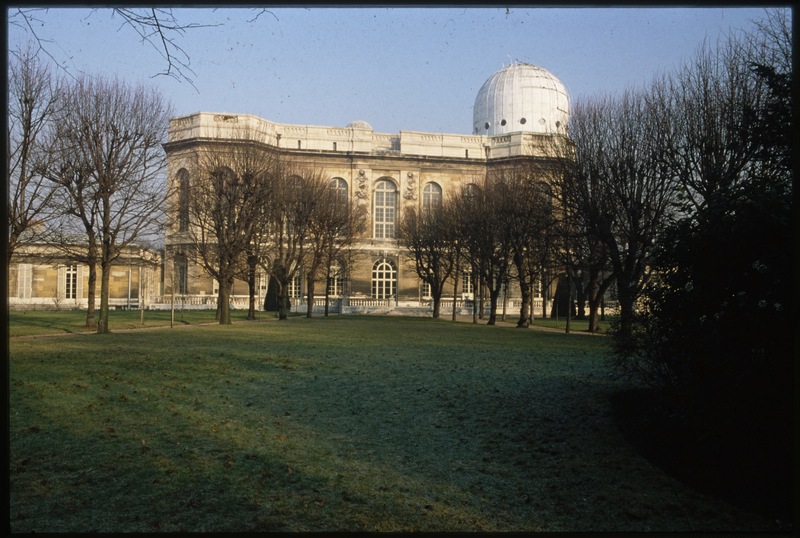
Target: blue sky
(397, 68)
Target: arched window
(339, 187)
(183, 200)
(384, 276)
(431, 197)
(385, 209)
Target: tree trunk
(105, 280)
(627, 309)
(91, 295)
(309, 295)
(283, 300)
(525, 291)
(494, 294)
(437, 300)
(455, 293)
(327, 290)
(224, 301)
(251, 287)
(596, 292)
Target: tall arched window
(339, 187)
(384, 277)
(183, 200)
(385, 209)
(431, 198)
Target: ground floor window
(296, 286)
(426, 290)
(466, 284)
(71, 282)
(384, 277)
(336, 280)
(24, 280)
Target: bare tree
(112, 132)
(485, 237)
(75, 232)
(429, 236)
(293, 208)
(334, 227)
(526, 214)
(707, 110)
(33, 102)
(234, 184)
(618, 187)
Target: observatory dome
(359, 124)
(521, 97)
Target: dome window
(503, 122)
(523, 121)
(486, 125)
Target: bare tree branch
(158, 27)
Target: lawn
(337, 424)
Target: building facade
(43, 276)
(517, 113)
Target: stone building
(516, 114)
(44, 276)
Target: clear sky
(397, 68)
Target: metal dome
(359, 124)
(521, 97)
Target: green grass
(42, 322)
(338, 424)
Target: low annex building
(43, 275)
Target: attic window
(523, 121)
(502, 122)
(486, 125)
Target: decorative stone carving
(226, 118)
(362, 193)
(411, 187)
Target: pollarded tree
(333, 228)
(228, 202)
(293, 208)
(484, 236)
(110, 135)
(526, 214)
(618, 187)
(429, 237)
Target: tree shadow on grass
(750, 473)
